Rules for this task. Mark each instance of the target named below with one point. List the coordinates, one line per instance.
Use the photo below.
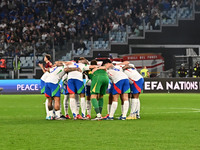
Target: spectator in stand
(196, 70)
(25, 21)
(182, 72)
(80, 47)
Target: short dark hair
(82, 58)
(105, 61)
(93, 62)
(48, 56)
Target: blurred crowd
(26, 25)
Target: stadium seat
(96, 42)
(86, 52)
(28, 58)
(22, 58)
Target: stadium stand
(44, 25)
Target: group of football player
(119, 79)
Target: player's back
(100, 72)
(133, 74)
(116, 74)
(45, 76)
(56, 74)
(76, 74)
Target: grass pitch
(168, 121)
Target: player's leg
(55, 93)
(73, 104)
(77, 106)
(125, 91)
(110, 100)
(125, 106)
(66, 101)
(135, 105)
(96, 106)
(83, 104)
(58, 113)
(49, 106)
(141, 85)
(138, 109)
(46, 102)
(95, 90)
(88, 102)
(66, 105)
(116, 91)
(113, 106)
(122, 104)
(79, 85)
(103, 86)
(100, 100)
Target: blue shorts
(75, 86)
(87, 90)
(52, 90)
(64, 89)
(42, 86)
(137, 86)
(121, 87)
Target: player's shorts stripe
(117, 89)
(55, 91)
(93, 90)
(137, 87)
(42, 90)
(46, 95)
(81, 89)
(70, 91)
(128, 91)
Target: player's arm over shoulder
(72, 69)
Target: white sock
(113, 109)
(47, 108)
(88, 106)
(125, 109)
(51, 113)
(134, 105)
(108, 108)
(73, 106)
(122, 108)
(138, 106)
(58, 112)
(98, 115)
(77, 104)
(66, 103)
(83, 106)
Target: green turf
(168, 121)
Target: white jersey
(133, 75)
(56, 75)
(64, 78)
(76, 74)
(116, 74)
(44, 76)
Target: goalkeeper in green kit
(98, 88)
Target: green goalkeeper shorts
(99, 84)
